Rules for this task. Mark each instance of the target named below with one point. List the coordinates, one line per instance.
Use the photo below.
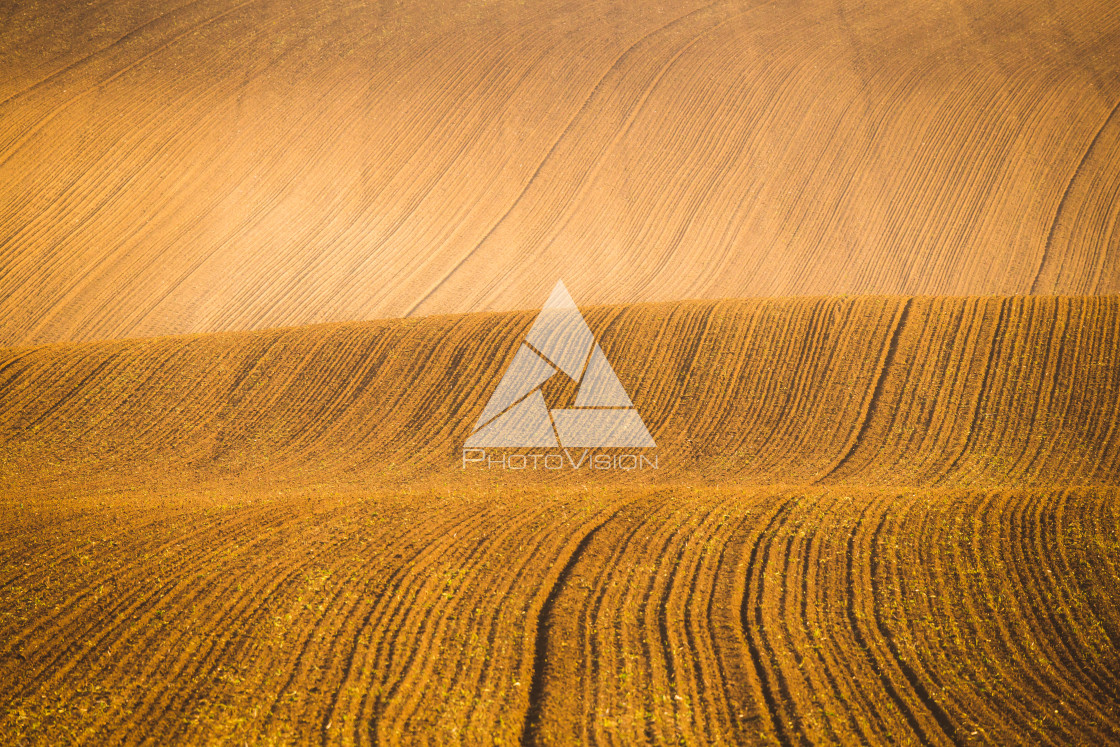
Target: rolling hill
(886, 391)
(856, 264)
(875, 519)
(171, 167)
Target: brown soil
(882, 391)
(877, 520)
(170, 167)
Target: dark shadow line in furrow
(993, 356)
(720, 664)
(744, 620)
(440, 614)
(861, 641)
(530, 728)
(940, 716)
(18, 355)
(1065, 196)
(812, 542)
(987, 516)
(689, 350)
(234, 619)
(1061, 362)
(298, 444)
(492, 632)
(876, 393)
(641, 616)
(126, 602)
(1064, 625)
(693, 664)
(1078, 662)
(392, 616)
(384, 614)
(1108, 622)
(663, 626)
(121, 629)
(663, 619)
(113, 358)
(473, 383)
(596, 651)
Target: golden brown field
(663, 614)
(173, 167)
(875, 519)
(875, 391)
(855, 262)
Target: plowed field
(175, 167)
(881, 391)
(822, 615)
(856, 265)
(881, 519)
